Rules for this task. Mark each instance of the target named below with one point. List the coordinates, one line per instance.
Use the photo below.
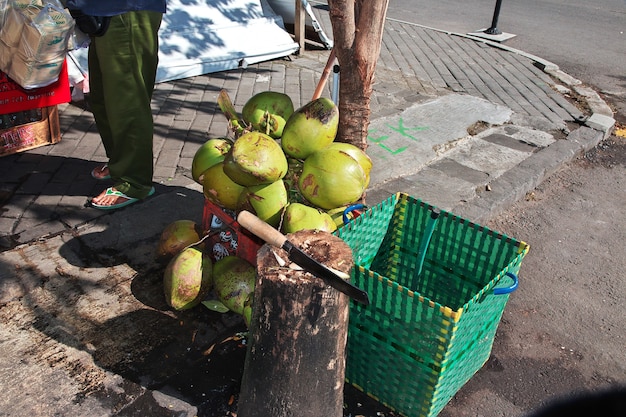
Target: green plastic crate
(424, 335)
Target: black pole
(493, 30)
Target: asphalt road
(586, 39)
(562, 332)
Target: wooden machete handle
(261, 229)
(271, 235)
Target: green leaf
(215, 305)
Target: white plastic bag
(35, 36)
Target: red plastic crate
(226, 236)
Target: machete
(332, 277)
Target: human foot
(111, 199)
(101, 172)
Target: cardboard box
(39, 43)
(31, 135)
(34, 72)
(5, 55)
(16, 16)
(11, 31)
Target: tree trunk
(357, 35)
(295, 364)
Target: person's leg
(126, 58)
(97, 106)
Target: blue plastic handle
(349, 209)
(508, 290)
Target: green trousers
(122, 72)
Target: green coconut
(255, 158)
(233, 281)
(187, 279)
(337, 215)
(302, 217)
(247, 309)
(212, 152)
(177, 236)
(268, 112)
(357, 153)
(310, 128)
(331, 178)
(266, 201)
(220, 189)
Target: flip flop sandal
(95, 173)
(111, 192)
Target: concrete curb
(513, 185)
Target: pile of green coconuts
(284, 166)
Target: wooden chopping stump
(295, 364)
